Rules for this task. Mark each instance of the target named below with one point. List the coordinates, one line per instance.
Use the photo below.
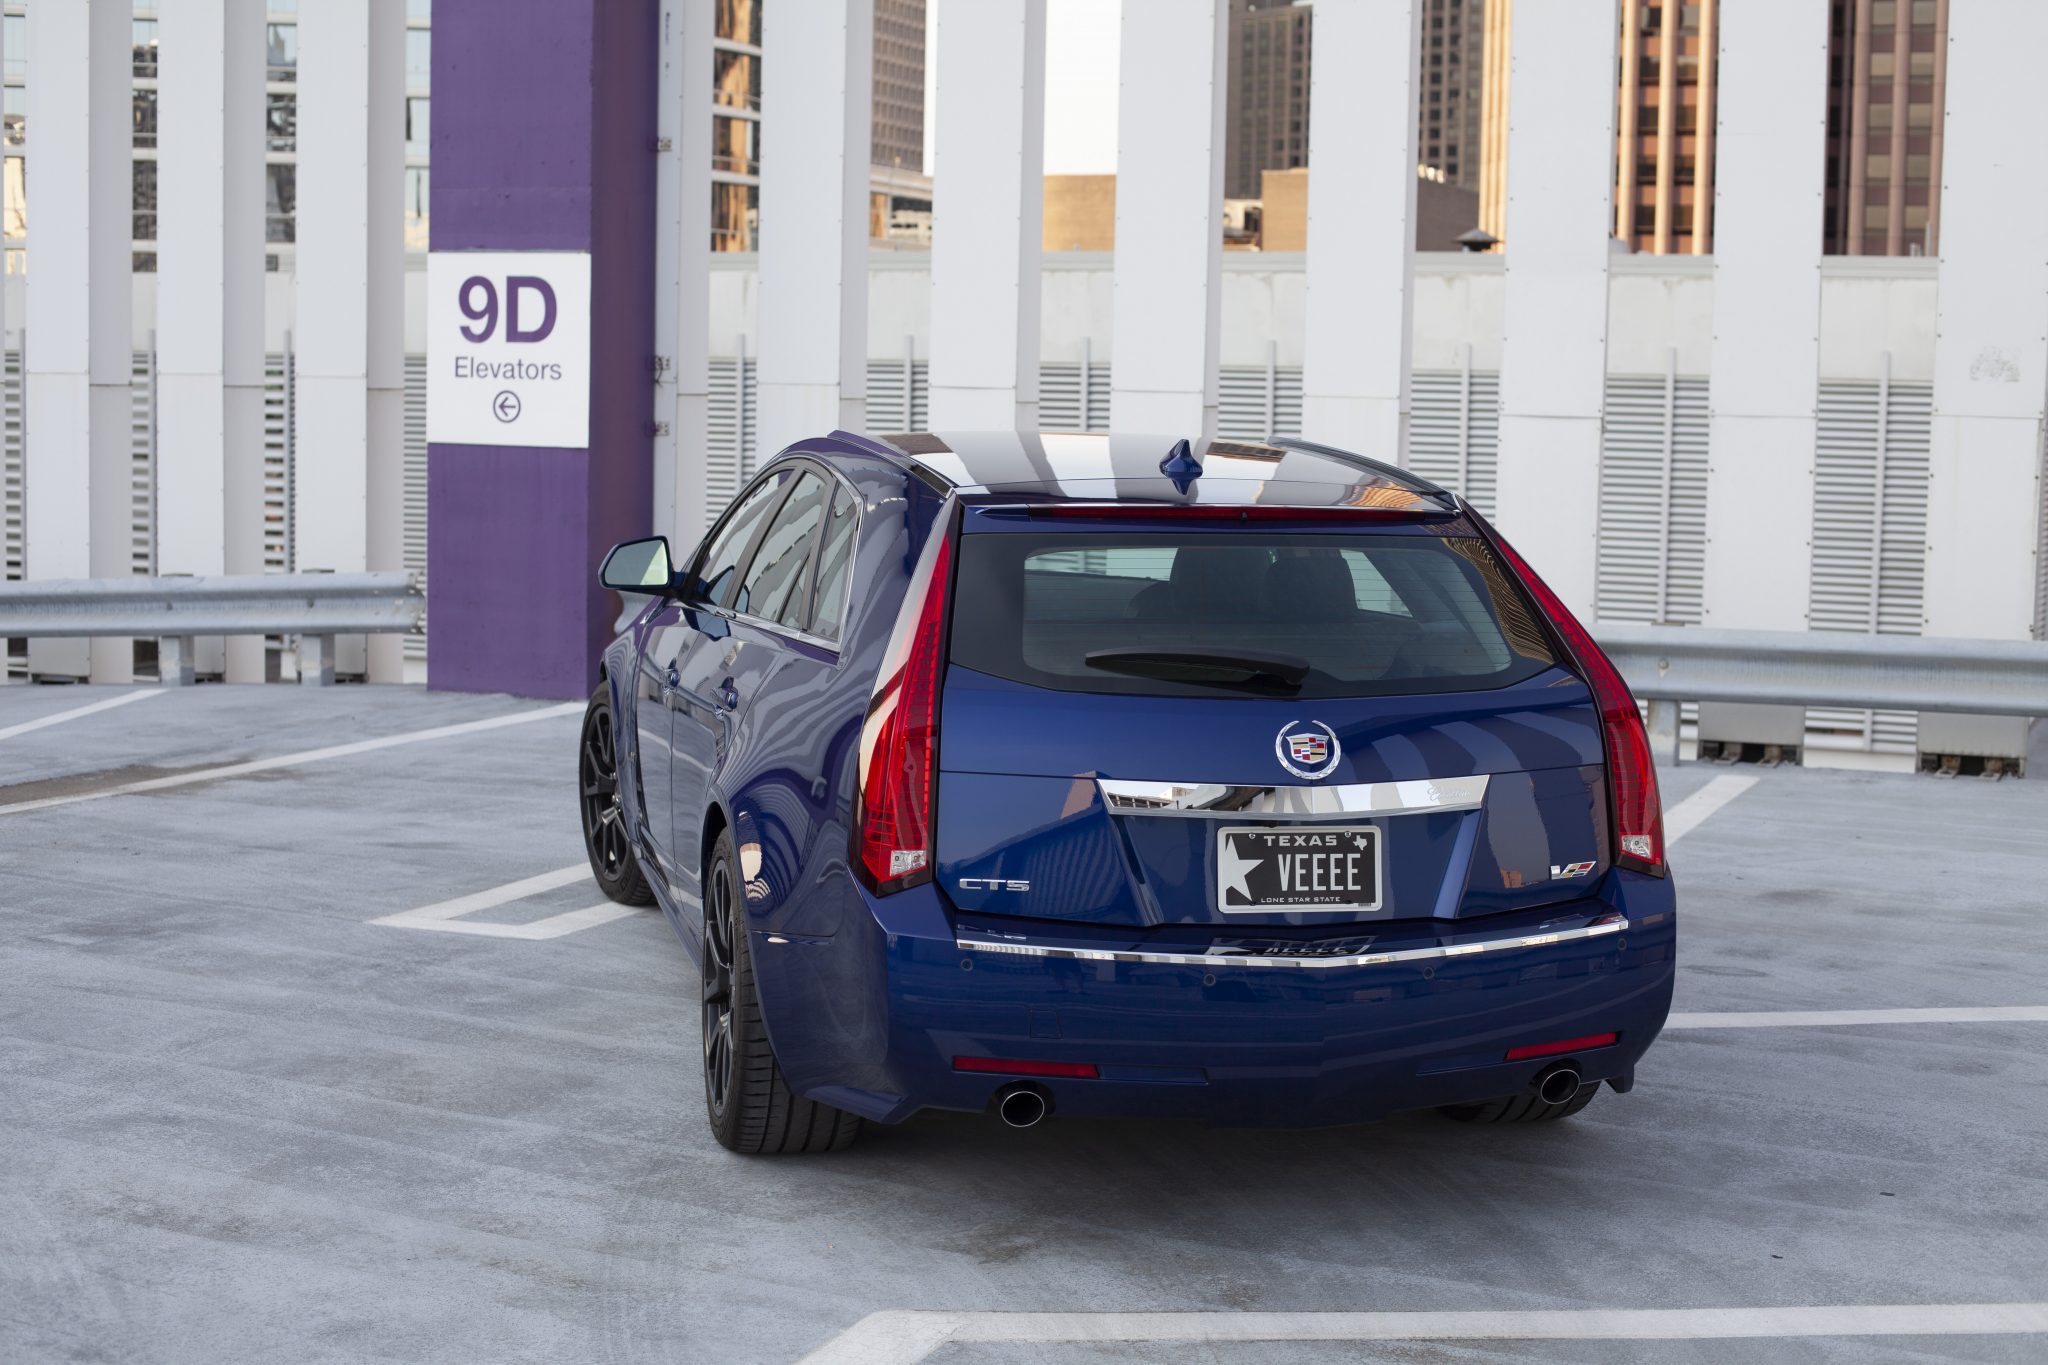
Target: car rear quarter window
(1369, 614)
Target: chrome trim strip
(1210, 799)
(1599, 928)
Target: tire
(750, 1109)
(1523, 1108)
(606, 840)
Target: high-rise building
(281, 155)
(898, 135)
(1887, 73)
(1664, 169)
(1449, 86)
(735, 125)
(1266, 121)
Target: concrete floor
(242, 1123)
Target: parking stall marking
(105, 704)
(903, 1337)
(1689, 814)
(304, 756)
(1960, 1014)
(445, 916)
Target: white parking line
(107, 704)
(260, 765)
(903, 1337)
(1689, 814)
(444, 916)
(1961, 1014)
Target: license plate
(1263, 868)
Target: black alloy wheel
(750, 1108)
(605, 837)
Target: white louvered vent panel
(277, 463)
(1869, 536)
(2040, 546)
(890, 397)
(13, 525)
(1653, 499)
(416, 486)
(13, 530)
(1454, 432)
(729, 455)
(1073, 396)
(1245, 403)
(142, 462)
(920, 397)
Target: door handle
(675, 679)
(727, 697)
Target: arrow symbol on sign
(505, 407)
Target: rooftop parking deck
(244, 1120)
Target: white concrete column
(1990, 356)
(80, 313)
(1169, 216)
(1772, 136)
(682, 274)
(210, 300)
(816, 92)
(242, 246)
(989, 119)
(1554, 311)
(349, 306)
(1361, 225)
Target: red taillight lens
(1590, 1041)
(1631, 776)
(997, 1066)
(899, 742)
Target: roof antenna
(1181, 466)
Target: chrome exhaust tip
(1022, 1105)
(1558, 1084)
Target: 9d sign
(508, 348)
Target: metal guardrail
(1666, 665)
(316, 607)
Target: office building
(1887, 78)
(1664, 169)
(1266, 122)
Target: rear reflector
(1631, 774)
(1523, 1054)
(997, 1066)
(899, 741)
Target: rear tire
(750, 1109)
(606, 840)
(1522, 1108)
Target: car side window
(776, 585)
(835, 561)
(720, 570)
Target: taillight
(1631, 776)
(899, 741)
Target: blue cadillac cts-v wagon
(1254, 783)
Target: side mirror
(640, 566)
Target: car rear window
(1370, 615)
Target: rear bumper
(1409, 1022)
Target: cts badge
(1571, 869)
(992, 884)
(1308, 748)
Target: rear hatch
(1259, 724)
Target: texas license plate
(1299, 867)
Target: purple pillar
(543, 140)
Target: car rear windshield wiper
(1281, 673)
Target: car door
(671, 640)
(729, 662)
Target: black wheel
(605, 837)
(750, 1109)
(1523, 1108)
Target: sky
(1080, 84)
